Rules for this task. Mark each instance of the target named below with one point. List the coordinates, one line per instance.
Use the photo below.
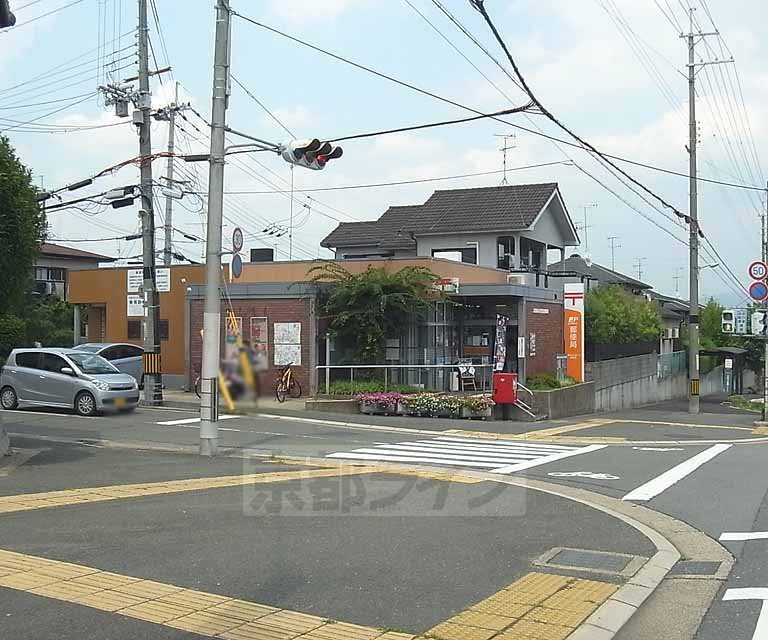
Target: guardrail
(421, 377)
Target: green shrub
(347, 388)
(542, 382)
(12, 334)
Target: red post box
(505, 388)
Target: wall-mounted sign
(448, 285)
(544, 312)
(135, 306)
(136, 280)
(573, 329)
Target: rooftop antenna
(504, 149)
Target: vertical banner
(500, 347)
(573, 330)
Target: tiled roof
(597, 272)
(58, 251)
(508, 208)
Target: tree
(710, 326)
(22, 228)
(365, 309)
(614, 316)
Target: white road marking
(30, 412)
(547, 459)
(761, 629)
(583, 474)
(741, 537)
(661, 483)
(655, 449)
(174, 423)
(465, 452)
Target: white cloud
(296, 118)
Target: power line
(41, 16)
(263, 106)
(498, 119)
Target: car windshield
(92, 364)
(90, 348)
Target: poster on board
(500, 346)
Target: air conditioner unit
(516, 278)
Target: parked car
(128, 358)
(66, 378)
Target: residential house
(578, 269)
(53, 264)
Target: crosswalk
(497, 456)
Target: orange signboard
(573, 330)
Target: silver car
(65, 378)
(128, 358)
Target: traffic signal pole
(209, 410)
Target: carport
(733, 360)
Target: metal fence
(672, 364)
(415, 377)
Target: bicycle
(287, 384)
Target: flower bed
(426, 405)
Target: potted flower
(379, 403)
(449, 406)
(477, 407)
(422, 404)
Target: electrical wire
(40, 17)
(263, 106)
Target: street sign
(741, 320)
(237, 266)
(758, 270)
(237, 240)
(758, 291)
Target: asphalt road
(717, 488)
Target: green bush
(542, 382)
(347, 388)
(12, 334)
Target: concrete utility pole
(765, 306)
(209, 411)
(168, 245)
(614, 246)
(693, 267)
(153, 379)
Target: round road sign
(758, 270)
(758, 291)
(237, 266)
(237, 239)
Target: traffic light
(312, 154)
(728, 321)
(759, 324)
(7, 19)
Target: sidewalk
(188, 400)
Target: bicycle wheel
(280, 391)
(197, 387)
(294, 388)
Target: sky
(613, 71)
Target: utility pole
(693, 267)
(168, 245)
(209, 410)
(676, 279)
(153, 379)
(614, 246)
(765, 306)
(639, 266)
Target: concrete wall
(577, 400)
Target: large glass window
(506, 249)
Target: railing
(672, 364)
(419, 377)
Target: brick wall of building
(276, 311)
(544, 339)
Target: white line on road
(174, 423)
(741, 537)
(761, 629)
(669, 478)
(406, 458)
(547, 459)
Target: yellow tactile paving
(538, 606)
(195, 611)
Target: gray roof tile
(509, 208)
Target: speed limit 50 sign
(758, 270)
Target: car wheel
(8, 398)
(85, 404)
